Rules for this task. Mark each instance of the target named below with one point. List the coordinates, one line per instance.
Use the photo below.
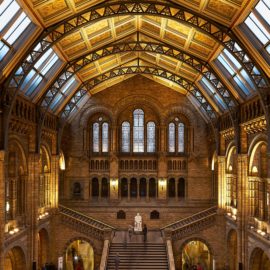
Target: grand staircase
(138, 256)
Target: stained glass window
(258, 22)
(13, 22)
(181, 138)
(105, 137)
(151, 137)
(171, 137)
(96, 137)
(125, 137)
(138, 131)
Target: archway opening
(124, 187)
(171, 188)
(196, 253)
(133, 187)
(142, 187)
(152, 188)
(43, 247)
(79, 255)
(232, 250)
(259, 260)
(15, 259)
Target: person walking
(117, 261)
(144, 233)
(130, 232)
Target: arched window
(96, 137)
(181, 138)
(151, 137)
(125, 137)
(138, 131)
(171, 137)
(105, 137)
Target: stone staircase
(139, 256)
(83, 223)
(192, 223)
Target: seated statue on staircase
(138, 223)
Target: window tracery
(125, 137)
(138, 131)
(151, 137)
(176, 136)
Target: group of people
(197, 266)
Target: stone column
(221, 182)
(2, 207)
(54, 181)
(105, 251)
(138, 189)
(128, 182)
(168, 240)
(99, 188)
(33, 204)
(156, 181)
(147, 189)
(176, 189)
(242, 207)
(90, 190)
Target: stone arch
(231, 150)
(232, 250)
(43, 247)
(259, 260)
(91, 110)
(45, 158)
(257, 143)
(139, 101)
(14, 259)
(69, 253)
(199, 241)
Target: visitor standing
(130, 232)
(117, 261)
(144, 233)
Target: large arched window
(171, 142)
(151, 137)
(176, 137)
(105, 137)
(138, 131)
(96, 137)
(125, 137)
(181, 138)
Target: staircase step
(138, 256)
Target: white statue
(138, 223)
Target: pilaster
(2, 207)
(221, 182)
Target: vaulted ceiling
(104, 42)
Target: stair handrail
(62, 207)
(211, 210)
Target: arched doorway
(133, 187)
(79, 252)
(124, 187)
(152, 188)
(15, 259)
(142, 187)
(259, 260)
(105, 188)
(171, 188)
(43, 247)
(95, 188)
(181, 186)
(196, 253)
(232, 250)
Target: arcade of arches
(113, 108)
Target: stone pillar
(138, 189)
(54, 181)
(168, 241)
(221, 182)
(105, 251)
(242, 207)
(2, 207)
(99, 188)
(176, 189)
(156, 181)
(114, 139)
(90, 190)
(128, 181)
(33, 204)
(147, 189)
